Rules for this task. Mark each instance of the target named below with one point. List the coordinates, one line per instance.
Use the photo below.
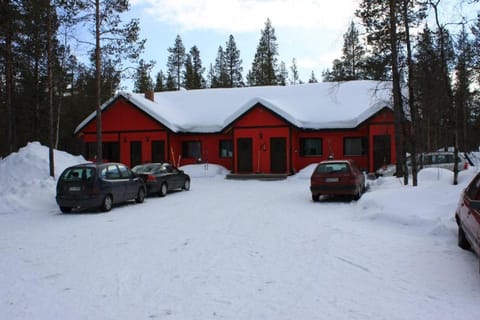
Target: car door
(115, 183)
(170, 177)
(130, 183)
(177, 178)
(469, 216)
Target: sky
(311, 31)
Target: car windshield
(147, 168)
(79, 173)
(332, 168)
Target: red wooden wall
(123, 123)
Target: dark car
(162, 177)
(467, 216)
(337, 177)
(94, 185)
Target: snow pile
(423, 206)
(306, 172)
(204, 170)
(25, 180)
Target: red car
(467, 216)
(337, 177)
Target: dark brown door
(158, 151)
(244, 155)
(278, 155)
(135, 153)
(381, 151)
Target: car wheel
(186, 185)
(163, 190)
(462, 240)
(315, 197)
(358, 194)
(107, 203)
(66, 209)
(140, 196)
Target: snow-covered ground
(234, 250)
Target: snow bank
(306, 172)
(204, 170)
(25, 180)
(423, 206)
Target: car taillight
(465, 165)
(151, 178)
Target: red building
(276, 129)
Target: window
(311, 147)
(226, 148)
(110, 150)
(192, 149)
(355, 146)
(124, 172)
(111, 172)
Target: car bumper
(334, 190)
(152, 188)
(79, 202)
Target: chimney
(150, 95)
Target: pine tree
(282, 76)
(221, 78)
(193, 76)
(312, 78)
(160, 84)
(211, 78)
(112, 39)
(463, 97)
(176, 63)
(143, 82)
(233, 63)
(353, 54)
(265, 63)
(352, 64)
(295, 77)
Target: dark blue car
(98, 185)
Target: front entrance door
(244, 155)
(135, 153)
(381, 151)
(278, 155)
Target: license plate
(74, 189)
(331, 179)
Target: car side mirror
(475, 204)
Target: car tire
(66, 209)
(315, 197)
(140, 195)
(163, 190)
(107, 203)
(358, 195)
(462, 239)
(186, 185)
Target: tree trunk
(11, 116)
(448, 90)
(411, 96)
(397, 97)
(51, 157)
(98, 64)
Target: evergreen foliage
(143, 82)
(265, 63)
(233, 64)
(193, 75)
(175, 64)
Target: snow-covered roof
(326, 105)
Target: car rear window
(79, 174)
(332, 168)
